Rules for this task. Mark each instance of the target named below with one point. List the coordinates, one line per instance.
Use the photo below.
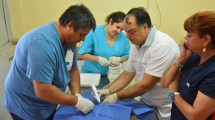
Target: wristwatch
(172, 95)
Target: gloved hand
(78, 95)
(103, 93)
(103, 61)
(84, 105)
(114, 60)
(111, 99)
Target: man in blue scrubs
(44, 64)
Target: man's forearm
(74, 84)
(122, 81)
(53, 94)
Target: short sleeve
(88, 44)
(160, 58)
(41, 61)
(208, 86)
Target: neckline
(208, 61)
(106, 37)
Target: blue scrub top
(96, 44)
(195, 78)
(39, 56)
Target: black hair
(141, 16)
(116, 17)
(80, 17)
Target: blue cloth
(99, 112)
(39, 56)
(195, 78)
(95, 43)
(139, 109)
(120, 111)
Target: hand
(111, 99)
(103, 61)
(78, 95)
(184, 54)
(103, 93)
(84, 105)
(114, 60)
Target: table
(102, 83)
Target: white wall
(4, 68)
(3, 31)
(31, 13)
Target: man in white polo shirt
(150, 55)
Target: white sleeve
(160, 57)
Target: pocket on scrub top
(69, 59)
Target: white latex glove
(78, 95)
(103, 93)
(114, 60)
(103, 61)
(84, 105)
(111, 99)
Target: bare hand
(185, 54)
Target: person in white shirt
(151, 54)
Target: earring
(204, 50)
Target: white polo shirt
(154, 57)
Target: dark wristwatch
(172, 95)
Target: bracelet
(178, 65)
